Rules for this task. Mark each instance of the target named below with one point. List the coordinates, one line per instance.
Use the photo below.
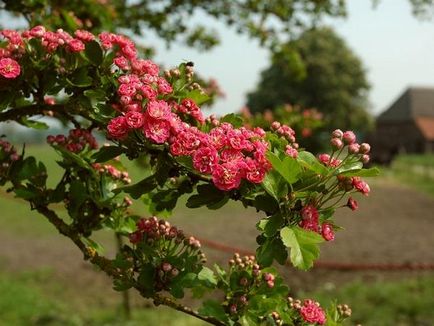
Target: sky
(397, 51)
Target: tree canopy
(317, 70)
(272, 22)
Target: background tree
(317, 70)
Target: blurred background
(316, 65)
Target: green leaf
(303, 244)
(197, 96)
(265, 203)
(212, 308)
(32, 123)
(207, 276)
(275, 185)
(107, 153)
(372, 172)
(80, 78)
(74, 158)
(26, 193)
(233, 119)
(93, 53)
(142, 187)
(289, 168)
(275, 222)
(206, 195)
(6, 97)
(271, 248)
(351, 167)
(309, 161)
(185, 161)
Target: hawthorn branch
(106, 266)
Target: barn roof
(426, 126)
(413, 103)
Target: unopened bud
(336, 143)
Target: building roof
(415, 102)
(426, 126)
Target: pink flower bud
(364, 148)
(354, 148)
(337, 133)
(365, 158)
(349, 137)
(336, 143)
(352, 204)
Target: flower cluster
(76, 141)
(246, 278)
(226, 153)
(114, 173)
(310, 221)
(289, 134)
(165, 249)
(8, 155)
(310, 311)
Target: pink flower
(230, 154)
(158, 109)
(309, 212)
(9, 68)
(75, 45)
(127, 89)
(118, 128)
(85, 36)
(327, 232)
(134, 119)
(37, 31)
(291, 151)
(142, 67)
(163, 86)
(148, 92)
(255, 173)
(157, 130)
(311, 312)
(310, 216)
(361, 185)
(205, 158)
(352, 203)
(121, 62)
(226, 176)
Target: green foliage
(303, 244)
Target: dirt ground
(393, 225)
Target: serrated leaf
(303, 244)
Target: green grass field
(417, 171)
(37, 296)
